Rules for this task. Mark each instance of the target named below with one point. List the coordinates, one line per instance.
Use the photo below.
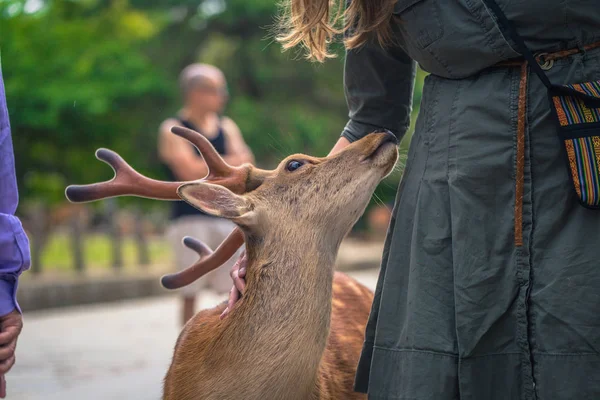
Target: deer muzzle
(377, 145)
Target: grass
(57, 256)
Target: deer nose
(375, 141)
(390, 137)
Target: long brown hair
(314, 24)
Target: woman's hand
(238, 271)
(341, 143)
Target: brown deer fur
(298, 330)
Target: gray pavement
(117, 351)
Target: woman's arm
(378, 84)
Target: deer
(298, 329)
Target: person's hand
(10, 328)
(238, 273)
(341, 143)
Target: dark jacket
(461, 310)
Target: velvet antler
(207, 262)
(128, 182)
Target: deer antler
(128, 182)
(208, 260)
(219, 172)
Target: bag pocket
(578, 119)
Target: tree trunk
(77, 243)
(38, 220)
(140, 239)
(114, 233)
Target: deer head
(301, 196)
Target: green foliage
(75, 81)
(86, 74)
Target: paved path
(102, 352)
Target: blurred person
(14, 247)
(204, 91)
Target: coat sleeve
(14, 244)
(378, 84)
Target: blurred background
(84, 74)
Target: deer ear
(217, 200)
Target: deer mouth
(387, 141)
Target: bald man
(204, 92)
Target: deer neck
(284, 317)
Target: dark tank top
(181, 208)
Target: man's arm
(237, 150)
(177, 153)
(183, 161)
(14, 247)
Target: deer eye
(294, 165)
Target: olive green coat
(460, 311)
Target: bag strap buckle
(544, 63)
